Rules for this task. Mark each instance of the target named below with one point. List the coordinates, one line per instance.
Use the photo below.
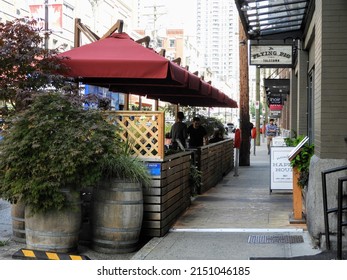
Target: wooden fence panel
(214, 161)
(168, 196)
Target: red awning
(121, 64)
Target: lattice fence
(144, 130)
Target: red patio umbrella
(118, 56)
(121, 64)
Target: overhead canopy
(264, 19)
(120, 64)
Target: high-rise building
(217, 38)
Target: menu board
(280, 169)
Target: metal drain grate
(266, 239)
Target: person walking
(271, 130)
(197, 134)
(178, 133)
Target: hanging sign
(271, 56)
(275, 107)
(275, 100)
(275, 114)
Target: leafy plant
(302, 160)
(3, 243)
(52, 145)
(25, 66)
(123, 165)
(292, 142)
(195, 179)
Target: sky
(182, 11)
(179, 13)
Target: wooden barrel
(18, 222)
(117, 214)
(55, 231)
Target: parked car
(230, 127)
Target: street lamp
(46, 24)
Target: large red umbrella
(121, 64)
(119, 57)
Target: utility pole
(266, 117)
(154, 38)
(155, 15)
(244, 99)
(46, 24)
(94, 4)
(257, 108)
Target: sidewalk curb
(147, 249)
(27, 254)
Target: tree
(26, 67)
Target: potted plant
(117, 210)
(302, 160)
(51, 151)
(300, 164)
(21, 77)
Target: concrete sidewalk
(236, 220)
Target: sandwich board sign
(281, 172)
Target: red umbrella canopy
(119, 56)
(121, 64)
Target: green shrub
(53, 145)
(125, 166)
(302, 160)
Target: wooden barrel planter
(117, 214)
(18, 222)
(56, 231)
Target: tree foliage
(26, 67)
(53, 145)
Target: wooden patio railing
(144, 130)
